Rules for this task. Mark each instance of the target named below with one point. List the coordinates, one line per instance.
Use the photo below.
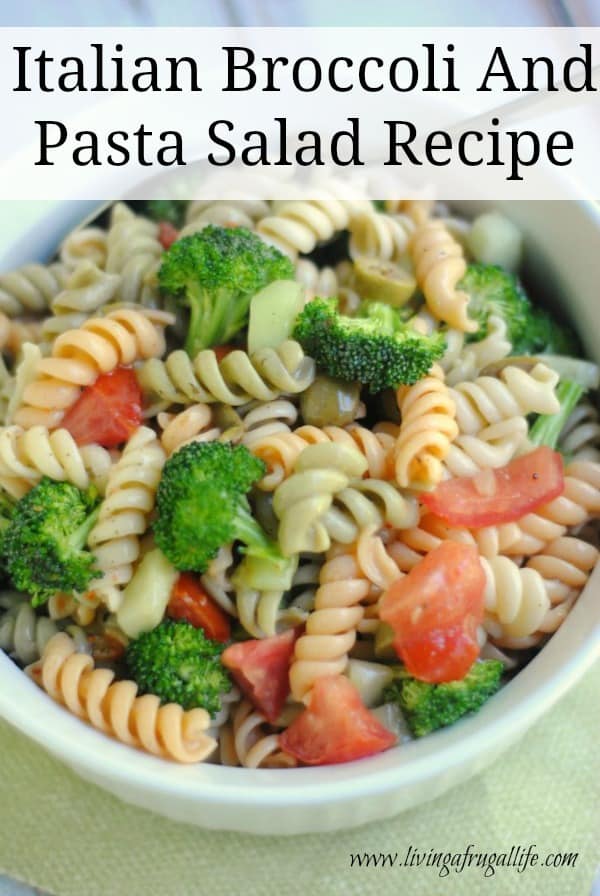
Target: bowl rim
(77, 743)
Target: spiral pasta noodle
(23, 634)
(331, 628)
(27, 455)
(580, 437)
(78, 357)
(426, 432)
(31, 288)
(439, 266)
(514, 393)
(124, 513)
(217, 580)
(578, 504)
(515, 600)
(115, 709)
(194, 424)
(133, 252)
(492, 447)
(234, 380)
(14, 333)
(299, 225)
(264, 613)
(317, 281)
(227, 213)
(87, 244)
(87, 289)
(248, 740)
(378, 235)
(281, 450)
(304, 503)
(263, 420)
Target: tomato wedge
(434, 612)
(108, 411)
(335, 727)
(261, 669)
(499, 496)
(167, 234)
(189, 601)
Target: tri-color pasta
(335, 522)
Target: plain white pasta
(515, 599)
(515, 392)
(124, 514)
(580, 436)
(249, 741)
(492, 447)
(226, 213)
(316, 280)
(27, 455)
(89, 244)
(378, 235)
(299, 225)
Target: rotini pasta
(250, 741)
(331, 627)
(88, 244)
(298, 226)
(514, 393)
(124, 514)
(235, 380)
(379, 235)
(27, 455)
(439, 266)
(31, 288)
(580, 437)
(133, 252)
(115, 709)
(78, 356)
(426, 431)
(281, 450)
(194, 424)
(87, 289)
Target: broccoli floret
(493, 291)
(545, 335)
(171, 210)
(201, 505)
(44, 546)
(428, 707)
(179, 664)
(547, 428)
(215, 273)
(7, 512)
(376, 348)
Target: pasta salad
(287, 483)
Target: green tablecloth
(72, 839)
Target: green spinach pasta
(266, 465)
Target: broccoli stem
(547, 428)
(77, 539)
(258, 544)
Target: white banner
(464, 113)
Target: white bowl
(563, 250)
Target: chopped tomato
(261, 669)
(434, 612)
(108, 411)
(190, 601)
(221, 351)
(499, 496)
(335, 727)
(167, 234)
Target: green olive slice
(383, 281)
